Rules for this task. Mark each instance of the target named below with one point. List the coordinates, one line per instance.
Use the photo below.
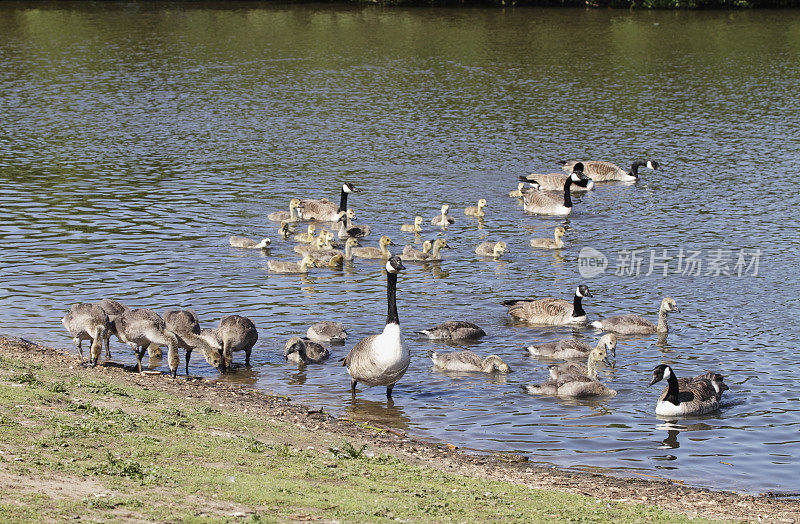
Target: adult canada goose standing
(186, 326)
(454, 330)
(286, 216)
(236, 333)
(382, 251)
(416, 227)
(469, 361)
(304, 351)
(248, 243)
(550, 243)
(555, 182)
(381, 360)
(144, 329)
(541, 203)
(688, 396)
(323, 209)
(635, 325)
(443, 219)
(327, 331)
(491, 249)
(602, 171)
(552, 311)
(87, 322)
(476, 211)
(112, 309)
(569, 348)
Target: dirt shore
(669, 496)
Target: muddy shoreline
(672, 496)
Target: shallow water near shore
(135, 139)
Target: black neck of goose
(343, 201)
(577, 307)
(672, 389)
(635, 169)
(567, 193)
(391, 298)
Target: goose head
(520, 186)
(394, 265)
(351, 214)
(418, 220)
(352, 242)
(426, 246)
(385, 241)
(579, 178)
(445, 208)
(500, 248)
(583, 291)
(494, 363)
(307, 261)
(481, 203)
(264, 243)
(661, 372)
(311, 229)
(560, 232)
(284, 230)
(441, 242)
(294, 203)
(609, 343)
(669, 305)
(294, 345)
(347, 187)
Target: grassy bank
(109, 444)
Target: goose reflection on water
(385, 413)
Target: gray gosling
(598, 354)
(635, 325)
(491, 249)
(285, 229)
(236, 333)
(517, 193)
(112, 309)
(443, 219)
(186, 326)
(476, 211)
(286, 216)
(304, 351)
(380, 252)
(143, 329)
(454, 330)
(282, 266)
(469, 361)
(87, 322)
(327, 331)
(688, 396)
(306, 237)
(572, 386)
(412, 253)
(416, 227)
(548, 243)
(570, 348)
(248, 243)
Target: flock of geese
(383, 358)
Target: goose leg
(140, 356)
(389, 391)
(353, 383)
(77, 342)
(247, 357)
(188, 356)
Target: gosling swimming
(550, 243)
(469, 361)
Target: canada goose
(602, 171)
(454, 330)
(476, 211)
(327, 331)
(112, 309)
(597, 354)
(236, 333)
(375, 252)
(186, 326)
(491, 249)
(416, 227)
(423, 256)
(320, 242)
(541, 203)
(282, 266)
(323, 209)
(349, 230)
(306, 237)
(412, 253)
(248, 243)
(87, 322)
(552, 311)
(469, 361)
(555, 182)
(443, 219)
(144, 329)
(331, 261)
(572, 386)
(570, 348)
(688, 396)
(635, 325)
(435, 254)
(546, 243)
(285, 230)
(517, 193)
(304, 351)
(381, 360)
(287, 216)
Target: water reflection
(372, 412)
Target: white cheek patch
(667, 373)
(650, 164)
(389, 267)
(575, 178)
(578, 292)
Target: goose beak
(608, 361)
(653, 380)
(675, 309)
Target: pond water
(135, 138)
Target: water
(135, 138)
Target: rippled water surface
(135, 138)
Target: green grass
(161, 457)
